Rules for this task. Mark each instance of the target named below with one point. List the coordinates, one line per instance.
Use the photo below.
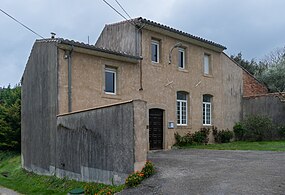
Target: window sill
(182, 70)
(182, 126)
(111, 96)
(208, 75)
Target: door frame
(163, 125)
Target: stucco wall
(266, 105)
(102, 144)
(160, 81)
(88, 79)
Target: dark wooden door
(156, 129)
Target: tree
(10, 118)
(273, 74)
(250, 66)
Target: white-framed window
(182, 108)
(207, 110)
(110, 80)
(207, 64)
(181, 58)
(155, 51)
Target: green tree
(273, 73)
(250, 66)
(10, 118)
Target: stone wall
(251, 86)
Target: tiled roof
(87, 46)
(149, 22)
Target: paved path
(214, 172)
(5, 191)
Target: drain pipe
(69, 61)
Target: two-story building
(186, 81)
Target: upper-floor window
(181, 58)
(155, 51)
(182, 108)
(110, 80)
(207, 64)
(207, 110)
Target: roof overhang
(92, 50)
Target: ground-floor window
(181, 108)
(207, 110)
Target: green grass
(243, 145)
(14, 177)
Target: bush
(98, 189)
(199, 137)
(281, 131)
(222, 136)
(148, 169)
(202, 136)
(136, 178)
(257, 128)
(239, 131)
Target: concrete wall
(268, 105)
(39, 108)
(102, 144)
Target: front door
(155, 129)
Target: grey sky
(253, 27)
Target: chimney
(52, 35)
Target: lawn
(14, 177)
(244, 145)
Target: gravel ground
(214, 172)
(5, 191)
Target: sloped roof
(90, 47)
(165, 27)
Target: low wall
(103, 144)
(268, 105)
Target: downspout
(69, 61)
(139, 51)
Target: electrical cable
(123, 9)
(21, 23)
(118, 12)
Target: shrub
(222, 136)
(239, 131)
(136, 178)
(201, 136)
(94, 188)
(258, 128)
(148, 169)
(281, 131)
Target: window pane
(178, 113)
(206, 98)
(181, 96)
(154, 51)
(181, 58)
(206, 64)
(110, 81)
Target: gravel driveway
(214, 172)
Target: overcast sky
(253, 27)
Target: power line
(21, 23)
(123, 9)
(118, 12)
